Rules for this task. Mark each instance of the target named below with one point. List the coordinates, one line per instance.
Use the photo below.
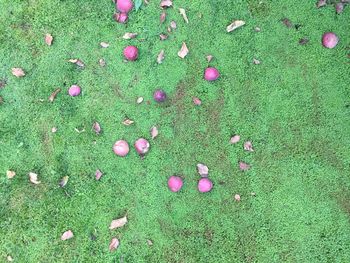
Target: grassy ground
(294, 106)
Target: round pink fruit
(211, 74)
(330, 40)
(121, 148)
(175, 183)
(120, 17)
(142, 146)
(205, 185)
(131, 53)
(124, 6)
(74, 90)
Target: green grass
(294, 106)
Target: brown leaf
(67, 235)
(118, 223)
(244, 166)
(209, 58)
(160, 57)
(104, 45)
(98, 174)
(64, 181)
(33, 178)
(173, 24)
(303, 41)
(129, 35)
(321, 3)
(183, 13)
(48, 39)
(287, 22)
(257, 29)
(18, 72)
(102, 62)
(114, 244)
(54, 94)
(9, 258)
(149, 242)
(339, 8)
(139, 100)
(234, 25)
(183, 51)
(162, 17)
(96, 127)
(154, 132)
(77, 62)
(166, 3)
(196, 101)
(248, 146)
(53, 129)
(10, 174)
(163, 36)
(235, 139)
(202, 170)
(256, 61)
(128, 122)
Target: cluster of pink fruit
(121, 147)
(175, 184)
(123, 7)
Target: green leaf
(138, 4)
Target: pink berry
(175, 183)
(205, 185)
(124, 6)
(211, 74)
(121, 148)
(131, 53)
(329, 40)
(74, 90)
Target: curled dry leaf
(287, 22)
(234, 139)
(248, 146)
(64, 181)
(67, 235)
(154, 132)
(128, 122)
(209, 58)
(79, 131)
(339, 8)
(18, 72)
(9, 258)
(96, 127)
(10, 174)
(118, 223)
(196, 101)
(321, 3)
(237, 197)
(48, 39)
(54, 94)
(166, 3)
(149, 242)
(129, 35)
(77, 62)
(244, 166)
(257, 29)
(102, 62)
(139, 100)
(33, 178)
(114, 244)
(53, 129)
(173, 25)
(162, 17)
(234, 25)
(160, 57)
(183, 51)
(98, 174)
(104, 45)
(256, 61)
(163, 36)
(303, 41)
(202, 170)
(183, 13)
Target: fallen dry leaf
(183, 51)
(10, 174)
(128, 122)
(248, 146)
(77, 62)
(202, 170)
(234, 25)
(33, 178)
(98, 174)
(163, 36)
(18, 72)
(96, 127)
(48, 39)
(154, 132)
(114, 244)
(234, 139)
(53, 129)
(9, 258)
(183, 13)
(129, 35)
(237, 197)
(118, 223)
(54, 94)
(160, 57)
(321, 3)
(173, 25)
(149, 242)
(339, 8)
(196, 101)
(102, 62)
(104, 44)
(162, 17)
(209, 58)
(257, 29)
(287, 22)
(2, 83)
(67, 235)
(64, 181)
(166, 3)
(256, 61)
(303, 41)
(139, 100)
(79, 131)
(244, 166)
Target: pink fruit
(121, 148)
(329, 40)
(120, 17)
(175, 183)
(74, 90)
(211, 74)
(142, 146)
(205, 185)
(159, 95)
(124, 6)
(131, 53)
